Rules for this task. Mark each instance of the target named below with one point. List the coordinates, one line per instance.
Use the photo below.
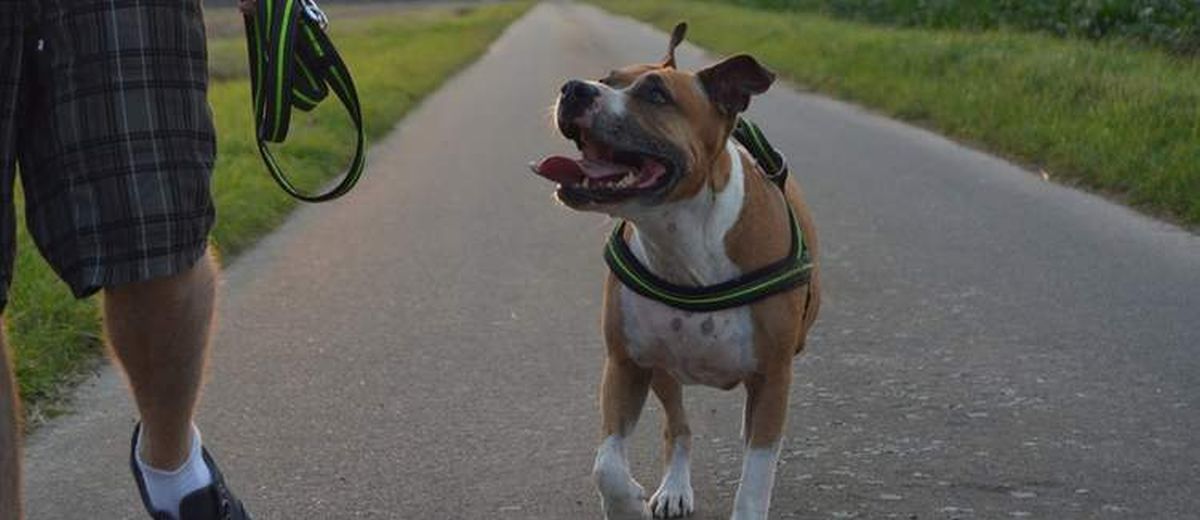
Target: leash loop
(293, 64)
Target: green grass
(1169, 24)
(397, 55)
(53, 336)
(1122, 120)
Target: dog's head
(650, 133)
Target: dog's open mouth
(605, 173)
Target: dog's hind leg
(766, 412)
(674, 497)
(622, 394)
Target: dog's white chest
(709, 348)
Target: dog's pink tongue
(563, 170)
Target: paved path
(991, 346)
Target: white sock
(166, 488)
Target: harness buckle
(780, 175)
(314, 13)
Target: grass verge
(397, 55)
(1169, 24)
(1122, 120)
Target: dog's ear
(730, 83)
(676, 39)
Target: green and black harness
(782, 275)
(294, 64)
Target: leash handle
(293, 64)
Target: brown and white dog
(657, 152)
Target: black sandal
(212, 502)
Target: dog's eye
(655, 94)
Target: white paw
(673, 499)
(620, 495)
(627, 504)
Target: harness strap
(294, 64)
(785, 274)
(773, 163)
(782, 275)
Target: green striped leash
(293, 64)
(785, 274)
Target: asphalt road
(991, 346)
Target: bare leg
(674, 497)
(159, 331)
(766, 412)
(622, 394)
(10, 453)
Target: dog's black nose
(577, 96)
(580, 89)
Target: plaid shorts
(103, 113)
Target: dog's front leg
(622, 394)
(674, 497)
(766, 412)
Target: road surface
(991, 345)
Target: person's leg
(12, 44)
(117, 185)
(159, 331)
(10, 458)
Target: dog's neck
(683, 242)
